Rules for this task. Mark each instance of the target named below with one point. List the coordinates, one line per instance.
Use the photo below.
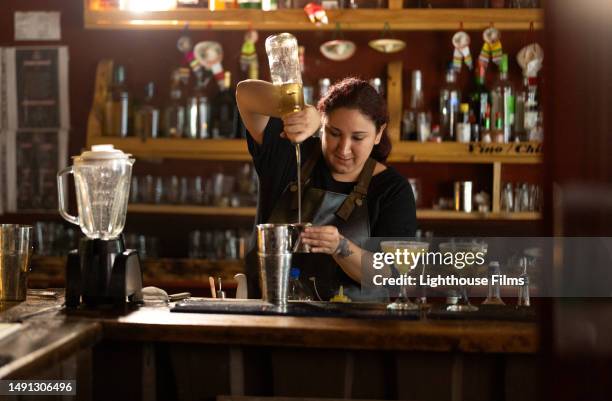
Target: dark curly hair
(357, 94)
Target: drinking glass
(403, 303)
(463, 302)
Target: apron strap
(360, 190)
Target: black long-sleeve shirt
(391, 203)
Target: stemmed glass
(463, 304)
(403, 303)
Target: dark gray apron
(349, 213)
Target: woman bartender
(347, 193)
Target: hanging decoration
(209, 55)
(338, 49)
(248, 55)
(316, 14)
(461, 54)
(530, 58)
(492, 47)
(386, 44)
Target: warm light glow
(147, 5)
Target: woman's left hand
(322, 239)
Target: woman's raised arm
(257, 102)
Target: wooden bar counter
(152, 353)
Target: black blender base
(102, 273)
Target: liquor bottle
(116, 106)
(146, 118)
(502, 99)
(450, 97)
(463, 129)
(297, 291)
(174, 115)
(225, 111)
(191, 3)
(214, 5)
(197, 111)
(485, 132)
(480, 98)
(499, 132)
(526, 110)
(416, 107)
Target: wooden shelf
(193, 210)
(429, 214)
(236, 150)
(425, 214)
(173, 148)
(454, 152)
(296, 20)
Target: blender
(101, 271)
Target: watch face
(183, 44)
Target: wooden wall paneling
(301, 373)
(394, 99)
(496, 192)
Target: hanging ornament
(338, 49)
(461, 42)
(248, 55)
(209, 55)
(184, 45)
(492, 47)
(386, 44)
(316, 14)
(530, 59)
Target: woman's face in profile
(347, 142)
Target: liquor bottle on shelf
(191, 3)
(214, 5)
(225, 111)
(116, 106)
(498, 133)
(526, 110)
(197, 111)
(249, 4)
(480, 98)
(450, 97)
(463, 128)
(486, 136)
(146, 118)
(502, 99)
(417, 105)
(174, 115)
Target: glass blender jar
(102, 182)
(101, 271)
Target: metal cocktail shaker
(275, 245)
(15, 253)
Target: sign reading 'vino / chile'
(508, 149)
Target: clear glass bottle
(174, 114)
(197, 111)
(416, 106)
(116, 106)
(479, 98)
(146, 118)
(463, 128)
(532, 111)
(502, 99)
(450, 97)
(297, 291)
(225, 111)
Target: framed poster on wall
(37, 119)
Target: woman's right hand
(301, 125)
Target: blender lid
(102, 152)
